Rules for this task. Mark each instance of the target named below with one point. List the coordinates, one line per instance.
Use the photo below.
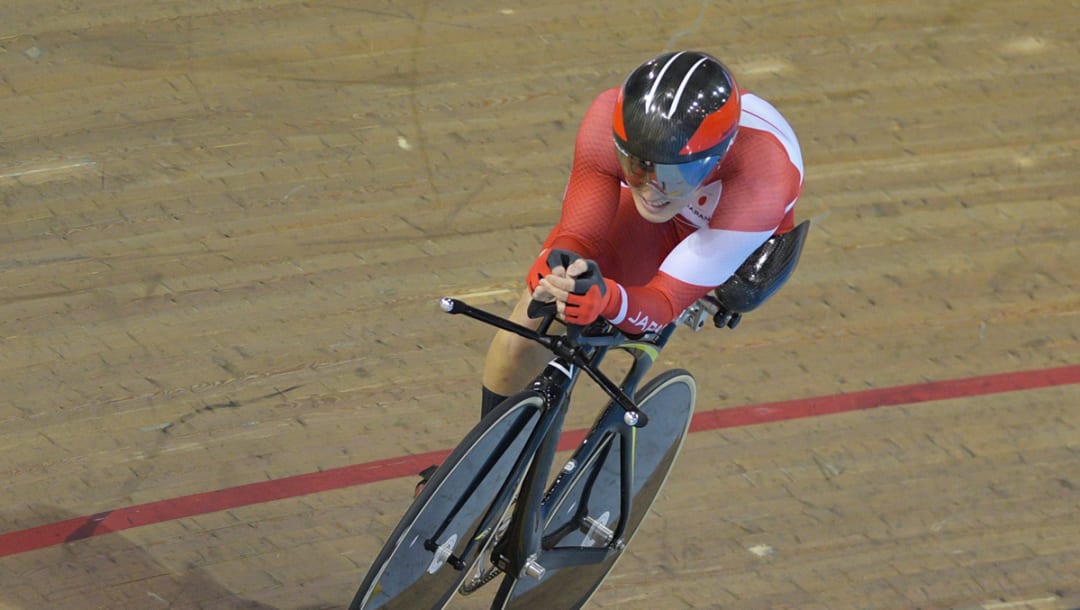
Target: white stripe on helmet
(659, 77)
(682, 86)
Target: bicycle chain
(487, 577)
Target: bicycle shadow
(107, 571)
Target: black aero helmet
(677, 109)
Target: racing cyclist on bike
(678, 177)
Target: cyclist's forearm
(649, 308)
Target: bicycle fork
(519, 549)
(553, 385)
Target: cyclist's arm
(592, 192)
(762, 180)
(701, 262)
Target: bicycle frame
(520, 548)
(506, 460)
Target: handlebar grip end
(449, 305)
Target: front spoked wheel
(585, 508)
(415, 568)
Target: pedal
(599, 534)
(442, 553)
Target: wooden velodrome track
(225, 229)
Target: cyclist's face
(662, 191)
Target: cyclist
(697, 176)
(678, 177)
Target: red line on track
(69, 530)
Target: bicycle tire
(668, 399)
(407, 576)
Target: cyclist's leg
(512, 362)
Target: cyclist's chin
(658, 213)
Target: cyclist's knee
(516, 351)
(520, 314)
(511, 363)
(511, 360)
(513, 344)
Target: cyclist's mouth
(657, 203)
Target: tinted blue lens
(695, 172)
(676, 179)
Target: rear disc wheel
(587, 510)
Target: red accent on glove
(538, 271)
(585, 308)
(614, 300)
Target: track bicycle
(489, 513)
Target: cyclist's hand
(541, 294)
(556, 286)
(580, 292)
(550, 262)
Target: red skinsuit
(663, 268)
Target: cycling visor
(671, 180)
